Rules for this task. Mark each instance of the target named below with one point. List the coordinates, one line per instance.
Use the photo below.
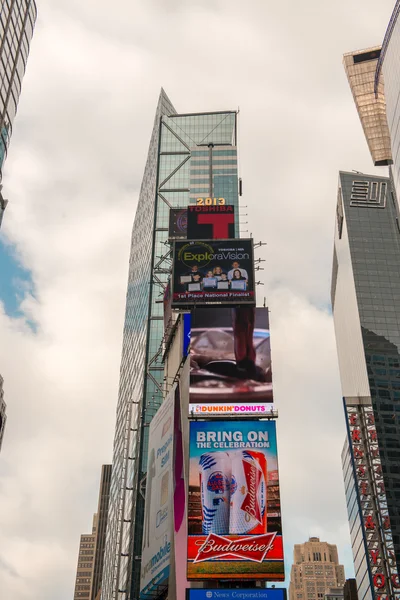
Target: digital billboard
(213, 272)
(230, 360)
(234, 515)
(177, 224)
(157, 527)
(210, 222)
(236, 594)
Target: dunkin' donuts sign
(234, 521)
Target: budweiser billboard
(230, 362)
(234, 516)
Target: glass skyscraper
(388, 70)
(366, 309)
(190, 156)
(17, 21)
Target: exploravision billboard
(234, 518)
(213, 271)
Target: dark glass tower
(366, 308)
(17, 20)
(190, 155)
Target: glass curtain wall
(17, 21)
(168, 182)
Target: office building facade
(315, 570)
(3, 417)
(350, 590)
(101, 530)
(17, 21)
(85, 568)
(366, 309)
(369, 98)
(388, 70)
(190, 156)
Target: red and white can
(248, 493)
(215, 480)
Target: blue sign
(187, 329)
(235, 594)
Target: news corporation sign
(236, 594)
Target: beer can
(248, 493)
(215, 479)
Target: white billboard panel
(157, 531)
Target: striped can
(215, 478)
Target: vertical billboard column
(234, 523)
(157, 529)
(371, 489)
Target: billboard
(213, 271)
(230, 360)
(177, 224)
(210, 222)
(234, 514)
(236, 594)
(157, 528)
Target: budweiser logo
(253, 548)
(250, 503)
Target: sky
(72, 178)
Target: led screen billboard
(210, 222)
(230, 360)
(213, 271)
(236, 594)
(234, 515)
(157, 527)
(177, 224)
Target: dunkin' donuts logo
(250, 548)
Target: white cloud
(73, 174)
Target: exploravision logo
(201, 254)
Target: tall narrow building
(102, 517)
(315, 570)
(85, 568)
(17, 21)
(3, 416)
(190, 155)
(366, 309)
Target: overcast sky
(73, 176)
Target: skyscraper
(190, 155)
(366, 309)
(17, 20)
(84, 573)
(388, 71)
(3, 417)
(315, 570)
(369, 98)
(102, 517)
